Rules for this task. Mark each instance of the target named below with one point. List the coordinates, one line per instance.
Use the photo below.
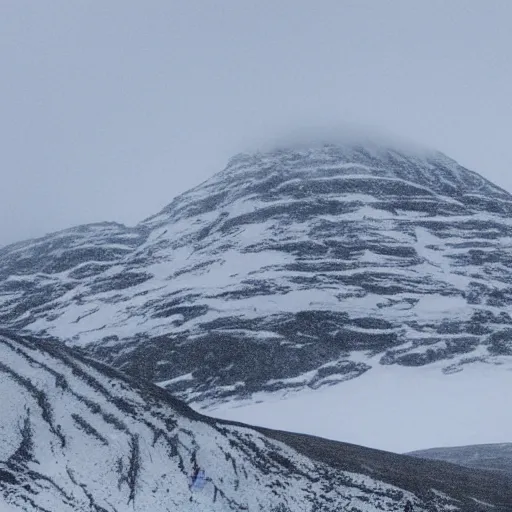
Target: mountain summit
(289, 270)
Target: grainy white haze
(109, 109)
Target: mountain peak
(330, 169)
(290, 270)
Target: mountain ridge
(288, 270)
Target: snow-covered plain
(392, 408)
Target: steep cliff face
(78, 436)
(288, 270)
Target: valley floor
(392, 408)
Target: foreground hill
(78, 436)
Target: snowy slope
(289, 270)
(78, 436)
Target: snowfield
(396, 409)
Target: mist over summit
(303, 135)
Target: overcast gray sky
(108, 109)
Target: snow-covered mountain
(289, 270)
(495, 457)
(78, 436)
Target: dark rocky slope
(492, 457)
